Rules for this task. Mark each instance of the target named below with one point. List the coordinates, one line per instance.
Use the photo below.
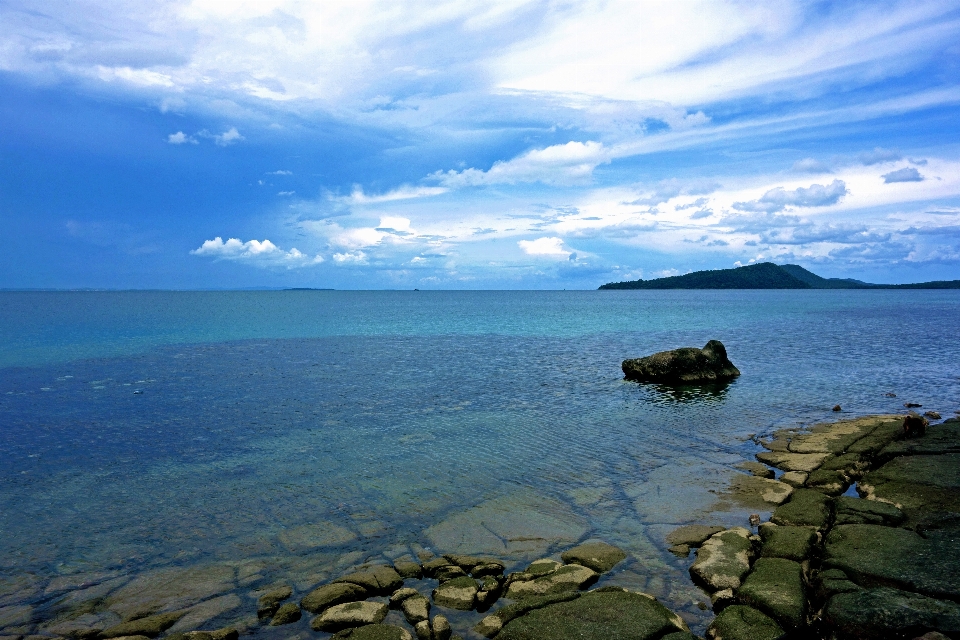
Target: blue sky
(474, 144)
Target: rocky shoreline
(827, 564)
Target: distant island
(767, 275)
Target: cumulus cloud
(907, 174)
(181, 138)
(810, 165)
(348, 258)
(546, 248)
(816, 195)
(560, 164)
(225, 139)
(261, 253)
(879, 155)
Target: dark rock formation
(684, 365)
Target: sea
(293, 436)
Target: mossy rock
(150, 626)
(407, 569)
(755, 468)
(493, 623)
(833, 581)
(597, 615)
(350, 614)
(723, 560)
(791, 543)
(806, 508)
(599, 556)
(571, 577)
(775, 587)
(828, 481)
(286, 614)
(740, 622)
(374, 632)
(376, 580)
(890, 613)
(692, 535)
(939, 439)
(917, 484)
(876, 556)
(459, 593)
(269, 602)
(850, 510)
(328, 595)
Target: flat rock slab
(890, 613)
(523, 524)
(939, 439)
(759, 493)
(850, 510)
(806, 508)
(917, 484)
(312, 536)
(740, 622)
(874, 556)
(571, 577)
(790, 543)
(684, 365)
(775, 587)
(874, 432)
(723, 560)
(599, 556)
(755, 468)
(374, 632)
(328, 595)
(597, 615)
(459, 593)
(351, 614)
(416, 609)
(150, 626)
(171, 589)
(805, 462)
(692, 535)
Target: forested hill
(767, 275)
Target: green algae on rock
(596, 615)
(740, 622)
(791, 543)
(458, 593)
(350, 614)
(599, 556)
(890, 613)
(723, 559)
(286, 614)
(806, 508)
(150, 626)
(374, 632)
(775, 587)
(269, 602)
(328, 595)
(571, 577)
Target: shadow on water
(669, 394)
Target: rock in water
(599, 556)
(685, 365)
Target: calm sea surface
(292, 435)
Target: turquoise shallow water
(292, 435)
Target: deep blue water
(142, 430)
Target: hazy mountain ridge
(767, 275)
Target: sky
(521, 144)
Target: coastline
(818, 566)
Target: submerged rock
(755, 468)
(150, 626)
(723, 560)
(599, 556)
(596, 615)
(269, 602)
(286, 614)
(380, 580)
(740, 622)
(684, 365)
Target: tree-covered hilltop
(767, 275)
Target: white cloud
(285, 193)
(261, 253)
(545, 247)
(879, 155)
(561, 164)
(816, 195)
(907, 174)
(181, 138)
(228, 137)
(142, 77)
(357, 257)
(405, 192)
(280, 172)
(810, 165)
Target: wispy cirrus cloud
(562, 164)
